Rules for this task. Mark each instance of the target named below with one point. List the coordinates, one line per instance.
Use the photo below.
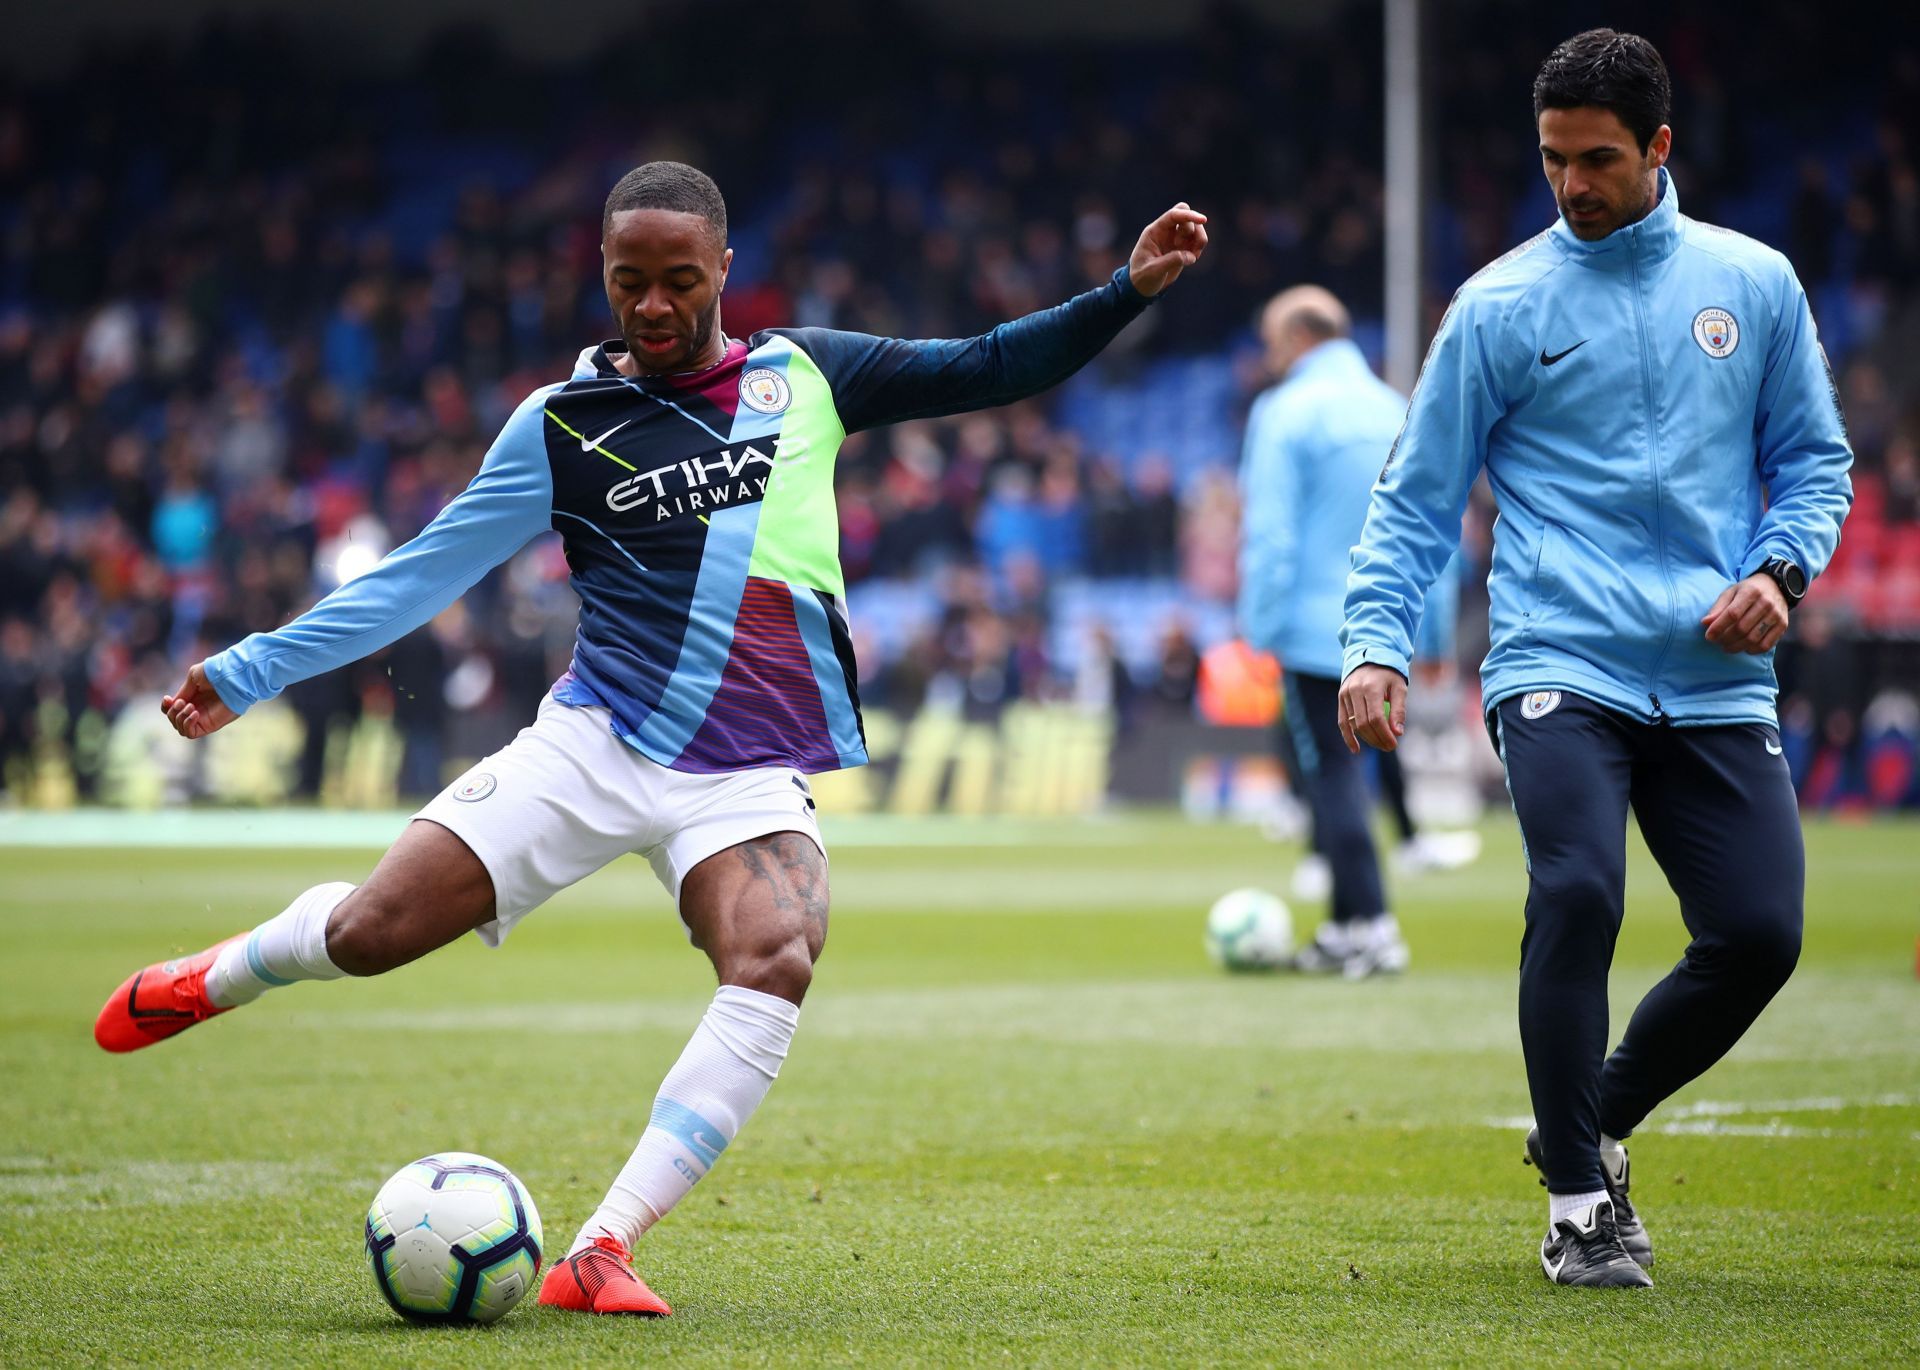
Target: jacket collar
(1334, 357)
(1650, 240)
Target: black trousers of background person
(1387, 768)
(1717, 809)
(1336, 793)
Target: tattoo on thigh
(790, 866)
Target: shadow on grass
(375, 1323)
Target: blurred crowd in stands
(260, 317)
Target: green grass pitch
(1024, 1123)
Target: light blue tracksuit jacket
(1315, 444)
(1657, 419)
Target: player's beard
(706, 326)
(705, 329)
(1612, 223)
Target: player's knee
(1588, 896)
(1571, 922)
(780, 965)
(361, 936)
(1771, 947)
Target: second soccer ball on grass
(1250, 929)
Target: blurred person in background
(1175, 677)
(1649, 400)
(1315, 443)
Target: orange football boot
(600, 1279)
(159, 1001)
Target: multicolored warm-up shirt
(701, 529)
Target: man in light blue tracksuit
(1314, 444)
(1651, 405)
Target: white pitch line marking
(1718, 1108)
(1703, 1118)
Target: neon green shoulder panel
(798, 538)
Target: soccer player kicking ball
(691, 475)
(1653, 410)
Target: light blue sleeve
(508, 502)
(1802, 445)
(1269, 542)
(1413, 520)
(1440, 619)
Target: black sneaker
(1584, 1248)
(1633, 1232)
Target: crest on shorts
(1716, 332)
(765, 391)
(475, 788)
(1539, 703)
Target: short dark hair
(667, 185)
(1621, 72)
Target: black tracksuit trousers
(1717, 809)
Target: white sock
(703, 1103)
(1613, 1157)
(1566, 1205)
(290, 946)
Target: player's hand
(1748, 617)
(194, 709)
(1373, 708)
(1171, 243)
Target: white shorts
(566, 797)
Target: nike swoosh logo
(1773, 749)
(588, 444)
(1545, 360)
(1553, 1267)
(135, 1011)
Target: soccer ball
(1249, 930)
(453, 1238)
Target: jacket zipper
(1653, 444)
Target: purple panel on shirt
(767, 710)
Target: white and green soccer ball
(454, 1237)
(1249, 930)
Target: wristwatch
(1789, 577)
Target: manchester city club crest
(475, 788)
(765, 391)
(1716, 332)
(1539, 703)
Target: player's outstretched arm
(1169, 245)
(194, 709)
(878, 381)
(507, 503)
